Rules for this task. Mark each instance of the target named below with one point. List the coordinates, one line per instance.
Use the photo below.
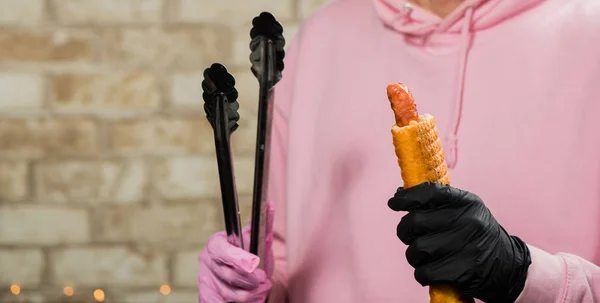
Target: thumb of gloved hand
(230, 274)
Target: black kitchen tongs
(267, 64)
(221, 107)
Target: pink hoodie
(515, 88)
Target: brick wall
(107, 172)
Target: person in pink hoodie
(515, 89)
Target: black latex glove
(453, 239)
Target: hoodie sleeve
(276, 193)
(560, 278)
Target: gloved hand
(230, 274)
(453, 239)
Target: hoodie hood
(410, 19)
(423, 29)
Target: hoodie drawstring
(454, 125)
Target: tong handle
(229, 196)
(261, 169)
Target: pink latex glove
(230, 274)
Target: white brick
(115, 92)
(174, 47)
(289, 32)
(187, 177)
(108, 11)
(231, 12)
(247, 86)
(186, 89)
(191, 177)
(19, 12)
(160, 226)
(42, 225)
(244, 138)
(91, 181)
(245, 209)
(30, 137)
(185, 269)
(244, 174)
(46, 45)
(162, 135)
(21, 266)
(21, 91)
(117, 266)
(308, 7)
(13, 180)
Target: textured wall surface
(107, 174)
